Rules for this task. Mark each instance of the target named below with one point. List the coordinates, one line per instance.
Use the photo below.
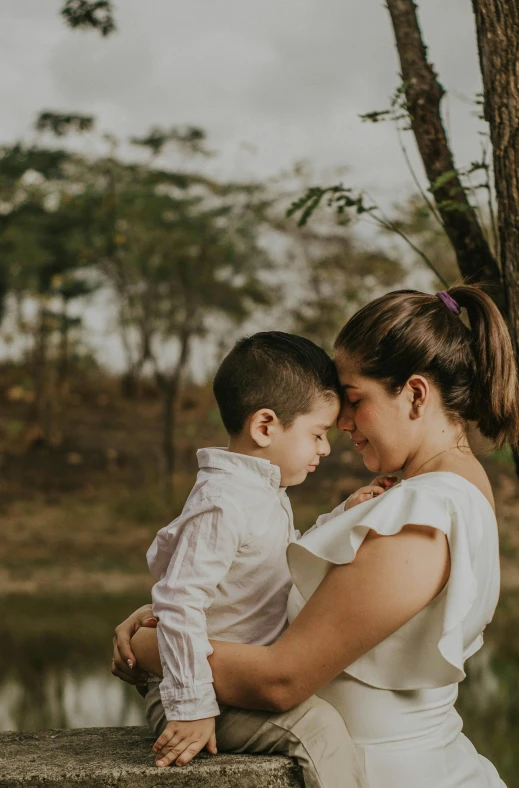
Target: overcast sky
(272, 81)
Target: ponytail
(494, 399)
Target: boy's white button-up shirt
(221, 573)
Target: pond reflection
(55, 663)
(55, 673)
(60, 699)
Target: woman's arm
(356, 607)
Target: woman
(389, 622)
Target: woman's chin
(375, 465)
(372, 464)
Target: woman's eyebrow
(323, 426)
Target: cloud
(290, 78)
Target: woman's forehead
(350, 375)
(347, 368)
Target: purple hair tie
(449, 302)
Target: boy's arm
(180, 741)
(203, 555)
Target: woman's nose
(345, 421)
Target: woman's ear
(418, 392)
(262, 426)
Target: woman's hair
(407, 332)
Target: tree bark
(497, 25)
(423, 94)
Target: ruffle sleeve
(431, 648)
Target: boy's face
(298, 449)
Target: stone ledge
(122, 758)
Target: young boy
(221, 568)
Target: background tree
(180, 256)
(44, 264)
(189, 265)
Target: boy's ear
(262, 426)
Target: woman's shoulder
(463, 502)
(467, 479)
(441, 500)
(430, 499)
(449, 485)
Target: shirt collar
(241, 464)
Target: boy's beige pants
(314, 733)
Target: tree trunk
(424, 93)
(4, 289)
(497, 25)
(60, 393)
(171, 387)
(168, 438)
(38, 417)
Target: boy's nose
(324, 449)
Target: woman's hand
(375, 488)
(124, 662)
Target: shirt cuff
(191, 703)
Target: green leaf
(443, 179)
(376, 117)
(454, 207)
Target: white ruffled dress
(398, 699)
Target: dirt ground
(79, 518)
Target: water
(61, 699)
(55, 663)
(55, 673)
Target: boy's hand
(377, 487)
(181, 741)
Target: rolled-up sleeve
(205, 546)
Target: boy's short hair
(271, 369)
